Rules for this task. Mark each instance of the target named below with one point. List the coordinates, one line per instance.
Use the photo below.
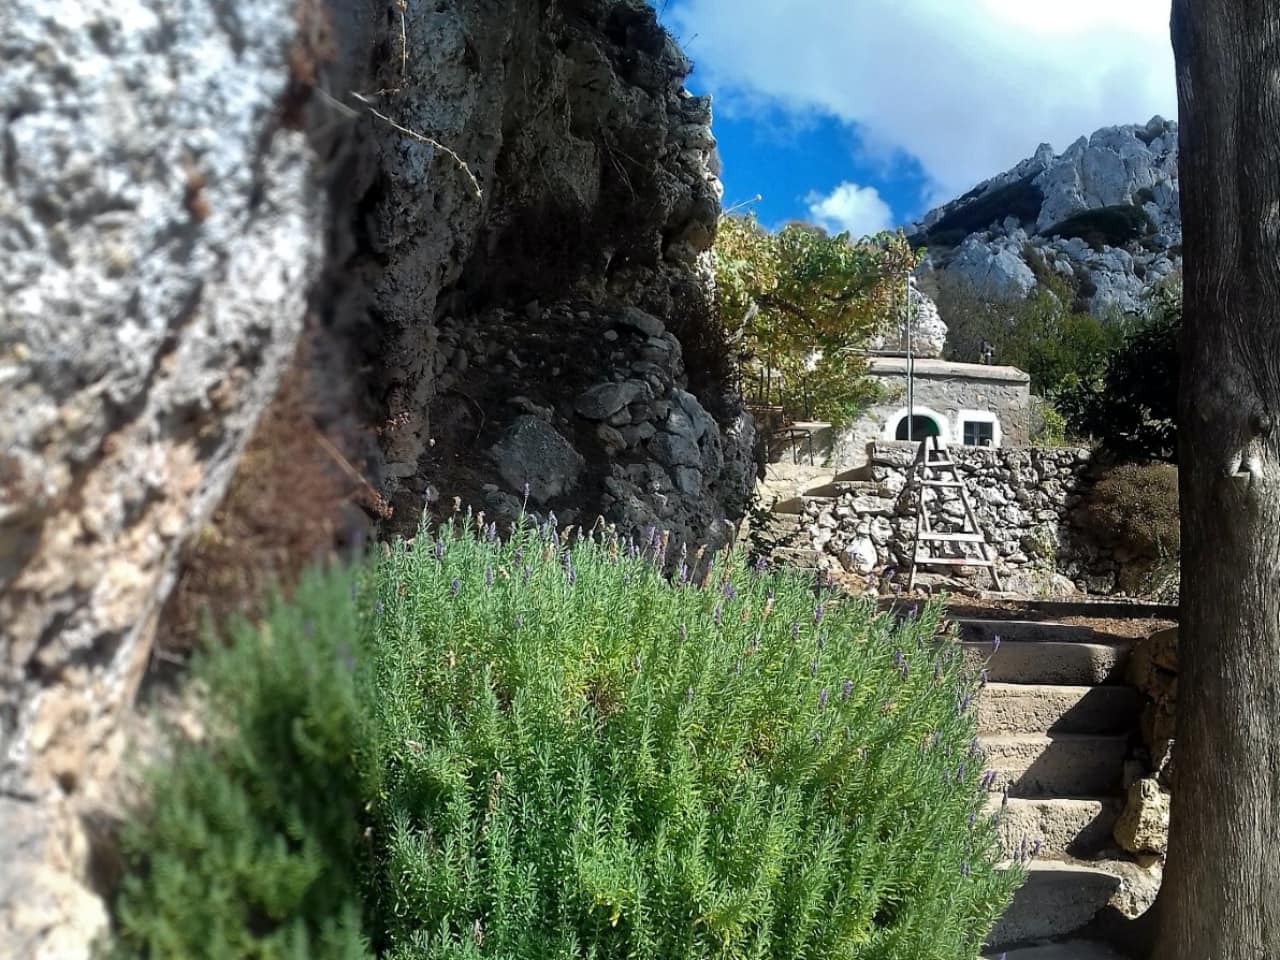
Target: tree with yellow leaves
(803, 305)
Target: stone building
(961, 403)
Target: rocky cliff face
(490, 217)
(1103, 216)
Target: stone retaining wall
(1025, 499)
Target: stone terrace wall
(1024, 498)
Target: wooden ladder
(935, 470)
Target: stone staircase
(786, 491)
(1056, 723)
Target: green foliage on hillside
(1131, 408)
(802, 306)
(544, 749)
(1021, 200)
(1060, 348)
(1105, 226)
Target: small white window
(979, 434)
(979, 428)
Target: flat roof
(928, 367)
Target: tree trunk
(1221, 896)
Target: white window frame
(980, 416)
(895, 419)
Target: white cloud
(966, 87)
(859, 210)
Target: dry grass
(284, 509)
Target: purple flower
(973, 746)
(377, 607)
(1035, 849)
(526, 574)
(728, 590)
(820, 642)
(571, 575)
(684, 574)
(960, 771)
(454, 585)
(973, 815)
(846, 688)
(519, 621)
(518, 555)
(988, 779)
(817, 613)
(964, 868)
(761, 564)
(995, 643)
(822, 697)
(715, 614)
(813, 668)
(984, 677)
(795, 630)
(488, 576)
(439, 549)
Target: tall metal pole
(911, 367)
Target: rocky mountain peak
(1103, 215)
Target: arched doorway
(917, 427)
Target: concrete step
(1066, 950)
(1050, 661)
(1062, 827)
(1057, 899)
(1042, 708)
(1056, 765)
(1025, 630)
(839, 488)
(804, 472)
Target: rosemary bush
(558, 752)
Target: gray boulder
(605, 400)
(532, 451)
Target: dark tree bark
(1221, 899)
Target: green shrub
(1048, 426)
(248, 845)
(1105, 226)
(1131, 407)
(1135, 507)
(1021, 199)
(558, 752)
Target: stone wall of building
(946, 391)
(1025, 500)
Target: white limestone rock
(928, 331)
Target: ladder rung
(939, 463)
(954, 562)
(942, 483)
(964, 537)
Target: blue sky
(862, 114)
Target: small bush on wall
(1135, 507)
